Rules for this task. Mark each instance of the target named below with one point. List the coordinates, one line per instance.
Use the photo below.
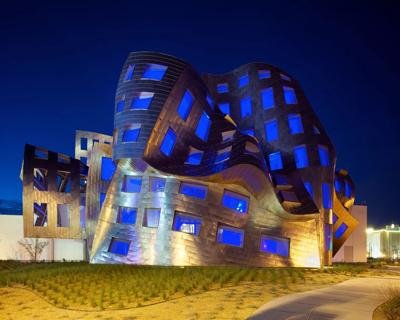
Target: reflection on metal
(224, 153)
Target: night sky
(60, 62)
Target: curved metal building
(208, 170)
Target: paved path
(354, 299)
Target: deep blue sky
(60, 61)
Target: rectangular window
(334, 218)
(275, 245)
(63, 181)
(156, 184)
(225, 107)
(203, 127)
(186, 223)
(119, 246)
(107, 168)
(151, 218)
(338, 185)
(83, 160)
(168, 143)
(129, 72)
(101, 199)
(245, 107)
(295, 124)
(84, 143)
(131, 134)
(63, 215)
(210, 101)
(290, 95)
(154, 72)
(243, 81)
(41, 154)
(142, 101)
(120, 105)
(347, 189)
(194, 157)
(249, 132)
(40, 179)
(264, 74)
(127, 215)
(230, 236)
(341, 230)
(131, 184)
(40, 214)
(185, 105)
(223, 155)
(193, 190)
(275, 161)
(271, 130)
(300, 156)
(326, 196)
(328, 236)
(309, 188)
(323, 152)
(222, 88)
(285, 77)
(267, 98)
(235, 201)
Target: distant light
(394, 256)
(392, 226)
(370, 230)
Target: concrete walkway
(354, 299)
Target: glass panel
(264, 74)
(223, 155)
(142, 101)
(168, 143)
(107, 168)
(341, 230)
(243, 81)
(224, 107)
(235, 201)
(119, 246)
(186, 223)
(309, 188)
(323, 155)
(127, 215)
(347, 189)
(230, 236)
(63, 215)
(40, 214)
(83, 160)
(185, 105)
(338, 185)
(84, 143)
(271, 130)
(101, 199)
(193, 190)
(222, 87)
(151, 218)
(300, 156)
(210, 101)
(40, 179)
(132, 184)
(267, 98)
(249, 132)
(275, 245)
(245, 107)
(326, 196)
(129, 72)
(194, 157)
(130, 135)
(154, 72)
(290, 95)
(275, 161)
(120, 105)
(157, 184)
(203, 127)
(295, 124)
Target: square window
(186, 223)
(275, 161)
(119, 246)
(154, 72)
(341, 230)
(157, 184)
(230, 236)
(243, 81)
(235, 201)
(264, 74)
(142, 100)
(131, 184)
(267, 98)
(63, 215)
(271, 130)
(203, 127)
(40, 179)
(245, 107)
(83, 160)
(185, 105)
(193, 190)
(323, 152)
(151, 218)
(326, 196)
(131, 134)
(224, 107)
(84, 143)
(223, 155)
(63, 181)
(222, 88)
(275, 245)
(290, 95)
(107, 168)
(195, 156)
(127, 215)
(300, 156)
(129, 72)
(295, 123)
(168, 143)
(40, 214)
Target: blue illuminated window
(323, 152)
(300, 156)
(130, 134)
(347, 189)
(290, 95)
(243, 81)
(151, 218)
(309, 188)
(341, 230)
(194, 157)
(249, 132)
(338, 185)
(224, 107)
(129, 72)
(203, 127)
(186, 223)
(142, 101)
(271, 130)
(235, 201)
(156, 184)
(230, 236)
(264, 74)
(102, 198)
(83, 160)
(326, 196)
(84, 143)
(107, 168)
(245, 107)
(168, 143)
(275, 161)
(154, 72)
(285, 77)
(120, 105)
(193, 190)
(127, 215)
(222, 87)
(275, 245)
(328, 236)
(295, 124)
(186, 105)
(132, 184)
(119, 246)
(210, 101)
(334, 218)
(267, 98)
(223, 155)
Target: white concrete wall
(11, 231)
(357, 240)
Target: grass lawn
(83, 291)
